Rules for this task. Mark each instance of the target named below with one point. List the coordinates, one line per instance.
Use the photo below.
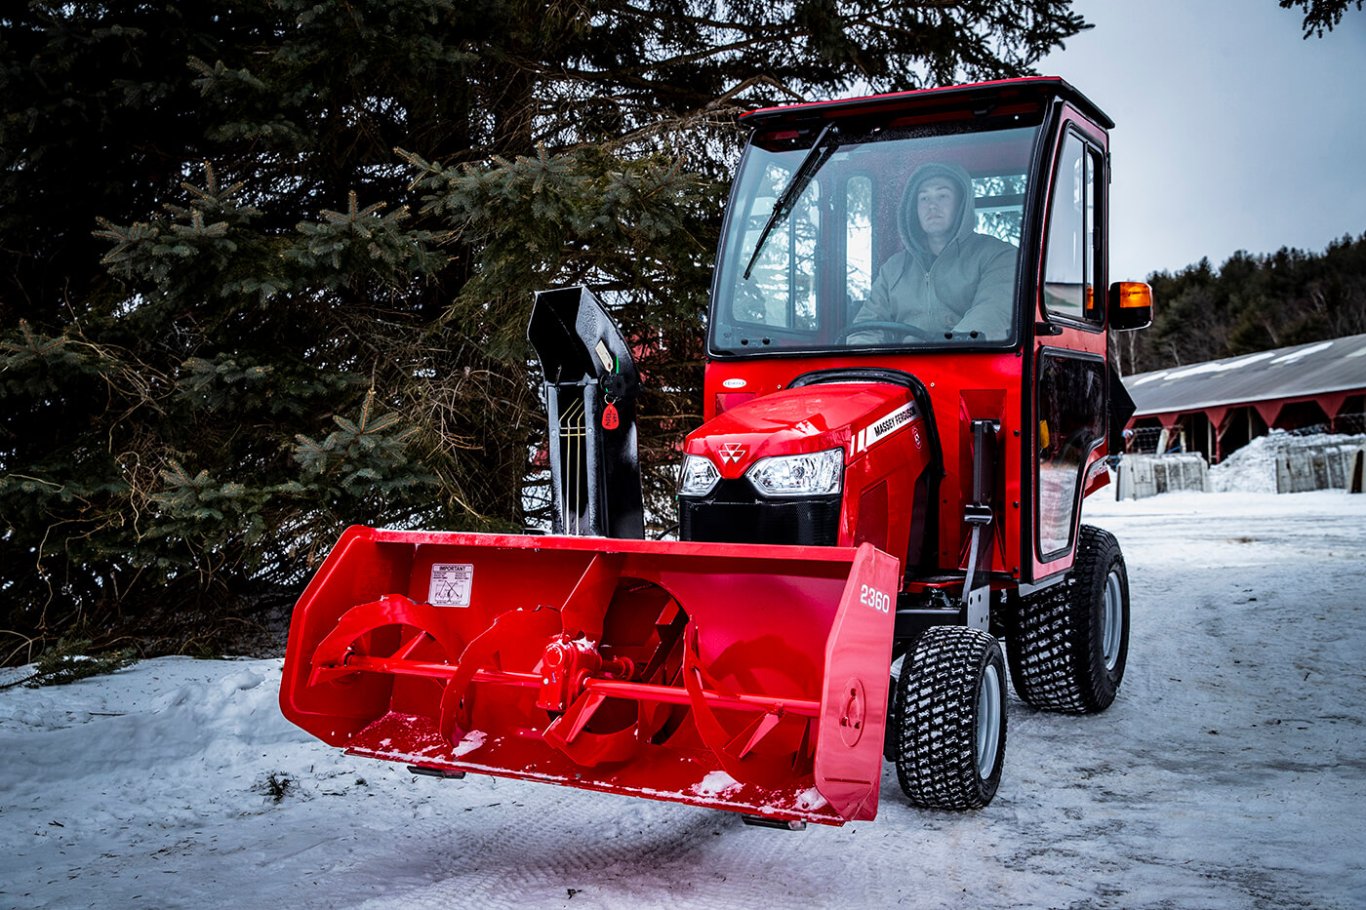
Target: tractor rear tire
(951, 719)
(1069, 644)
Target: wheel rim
(988, 721)
(1112, 621)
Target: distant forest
(1251, 303)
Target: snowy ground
(1230, 773)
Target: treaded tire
(1070, 643)
(944, 758)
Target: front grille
(734, 513)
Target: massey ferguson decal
(881, 428)
(732, 452)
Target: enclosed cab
(816, 240)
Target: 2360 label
(875, 599)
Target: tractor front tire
(951, 719)
(1069, 644)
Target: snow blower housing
(907, 395)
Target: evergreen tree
(1322, 16)
(265, 267)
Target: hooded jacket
(966, 288)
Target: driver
(948, 278)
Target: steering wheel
(885, 325)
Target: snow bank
(1253, 467)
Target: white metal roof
(1301, 371)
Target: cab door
(1069, 366)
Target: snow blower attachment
(889, 471)
(743, 678)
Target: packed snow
(1230, 773)
(1252, 469)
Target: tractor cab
(952, 241)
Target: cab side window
(1070, 273)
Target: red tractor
(908, 394)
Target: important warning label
(451, 583)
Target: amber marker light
(1134, 294)
(1131, 305)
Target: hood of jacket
(912, 234)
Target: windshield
(886, 239)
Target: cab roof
(1030, 91)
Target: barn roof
(1297, 372)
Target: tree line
(1251, 303)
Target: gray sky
(1232, 132)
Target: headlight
(698, 476)
(817, 474)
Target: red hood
(808, 419)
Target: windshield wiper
(826, 142)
